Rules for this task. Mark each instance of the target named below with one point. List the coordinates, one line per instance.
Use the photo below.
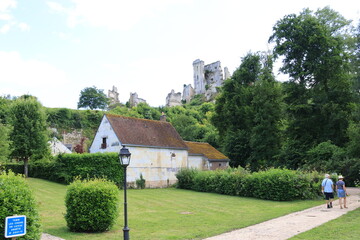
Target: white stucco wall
(105, 131)
(198, 162)
(157, 165)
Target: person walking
(327, 188)
(341, 191)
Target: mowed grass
(166, 213)
(346, 227)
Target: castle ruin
(173, 99)
(113, 96)
(135, 100)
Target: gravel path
(292, 224)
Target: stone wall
(173, 99)
(135, 100)
(188, 93)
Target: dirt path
(292, 224)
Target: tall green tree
(248, 112)
(316, 54)
(267, 104)
(93, 98)
(29, 134)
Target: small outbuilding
(206, 157)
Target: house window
(219, 164)
(103, 145)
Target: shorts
(341, 193)
(328, 195)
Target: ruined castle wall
(173, 99)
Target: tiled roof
(144, 132)
(196, 148)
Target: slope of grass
(166, 213)
(346, 227)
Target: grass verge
(166, 213)
(346, 227)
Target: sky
(54, 49)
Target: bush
(282, 185)
(140, 183)
(273, 184)
(92, 205)
(186, 178)
(16, 198)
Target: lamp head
(124, 156)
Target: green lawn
(346, 227)
(166, 213)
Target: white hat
(340, 177)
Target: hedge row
(66, 167)
(273, 184)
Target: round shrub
(16, 198)
(91, 205)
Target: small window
(219, 164)
(103, 145)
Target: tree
(4, 143)
(248, 113)
(93, 98)
(318, 95)
(29, 134)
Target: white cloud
(5, 15)
(5, 5)
(5, 28)
(56, 6)
(67, 37)
(112, 14)
(41, 79)
(23, 26)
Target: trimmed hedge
(273, 184)
(66, 167)
(16, 198)
(91, 205)
(90, 165)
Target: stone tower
(199, 78)
(113, 95)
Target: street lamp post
(124, 157)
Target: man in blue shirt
(327, 188)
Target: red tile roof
(144, 132)
(196, 148)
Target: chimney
(163, 117)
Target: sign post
(15, 226)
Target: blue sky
(54, 49)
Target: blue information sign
(15, 226)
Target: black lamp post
(124, 157)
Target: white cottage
(157, 150)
